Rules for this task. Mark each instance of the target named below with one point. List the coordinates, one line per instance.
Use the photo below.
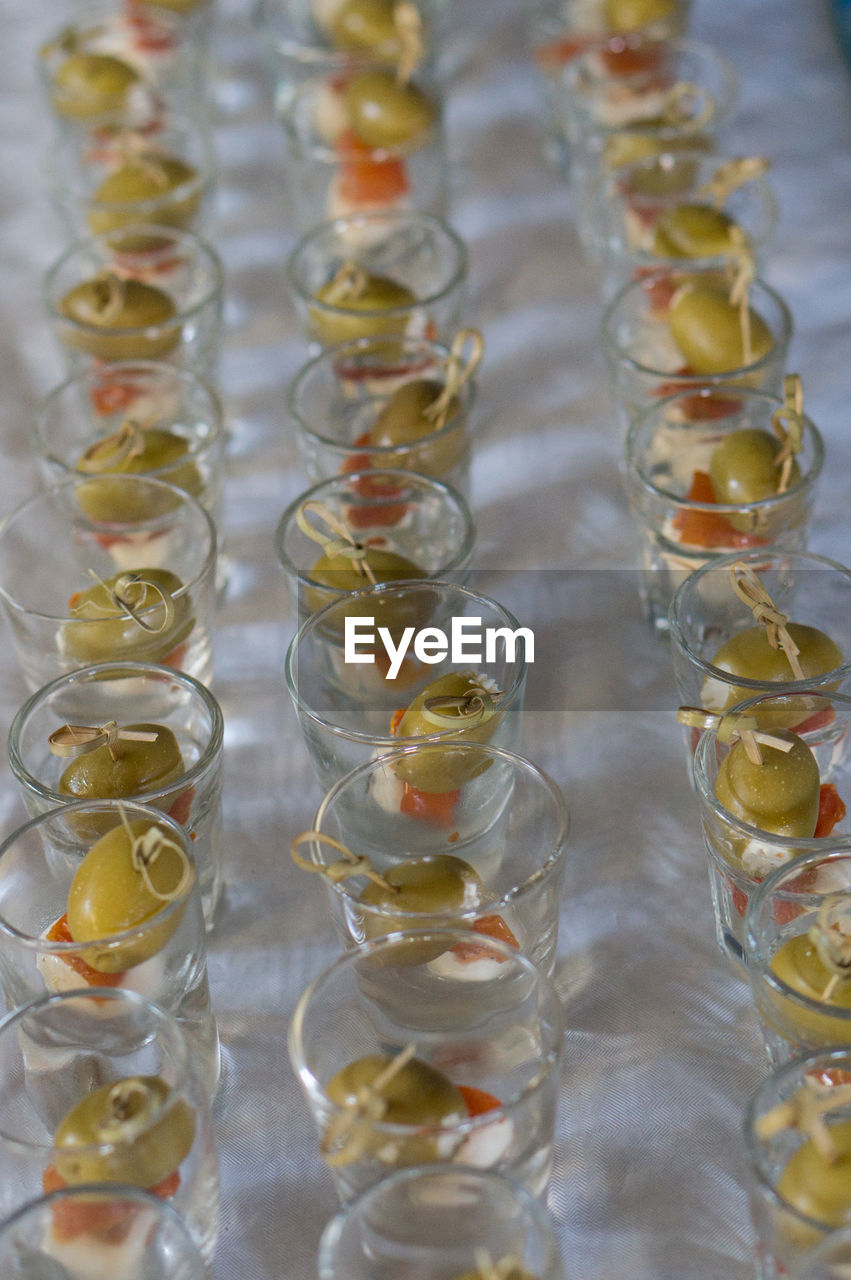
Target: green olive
(749, 655)
(101, 629)
(403, 421)
(631, 15)
(178, 6)
(781, 795)
(818, 1188)
(649, 138)
(386, 113)
(366, 26)
(743, 467)
(142, 1135)
(693, 231)
(431, 885)
(92, 84)
(110, 894)
(707, 328)
(671, 178)
(417, 1095)
(126, 769)
(119, 319)
(798, 964)
(341, 573)
(513, 1273)
(360, 313)
(155, 450)
(433, 771)
(143, 180)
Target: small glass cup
(497, 1031)
(505, 819)
(139, 293)
(337, 397)
(800, 1008)
(422, 520)
(131, 693)
(740, 853)
(561, 32)
(668, 453)
(162, 559)
(166, 178)
(419, 253)
(782, 1180)
(331, 173)
(347, 708)
(84, 1232)
(829, 1260)
(164, 959)
(644, 362)
(54, 1054)
(634, 197)
(79, 416)
(163, 69)
(631, 96)
(297, 46)
(706, 613)
(437, 1222)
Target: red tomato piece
(59, 932)
(435, 807)
(706, 528)
(479, 1101)
(818, 720)
(182, 806)
(110, 396)
(553, 56)
(831, 809)
(365, 177)
(108, 1222)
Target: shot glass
(138, 293)
(829, 1260)
(131, 177)
(332, 173)
(802, 1007)
(401, 274)
(488, 1043)
(338, 398)
(631, 96)
(183, 773)
(560, 32)
(349, 695)
(644, 362)
(45, 897)
(741, 852)
(707, 615)
(669, 451)
(439, 1221)
(298, 44)
(120, 68)
(638, 213)
(144, 417)
(797, 1194)
(424, 525)
(101, 1088)
(488, 855)
(77, 589)
(99, 1230)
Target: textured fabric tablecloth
(662, 1044)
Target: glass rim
(771, 1086)
(100, 672)
(637, 470)
(391, 219)
(114, 941)
(694, 381)
(318, 619)
(466, 392)
(544, 987)
(106, 526)
(556, 856)
(306, 51)
(411, 480)
(718, 565)
(98, 1192)
(154, 370)
(755, 943)
(181, 1090)
(186, 240)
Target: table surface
(662, 1045)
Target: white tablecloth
(662, 1044)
